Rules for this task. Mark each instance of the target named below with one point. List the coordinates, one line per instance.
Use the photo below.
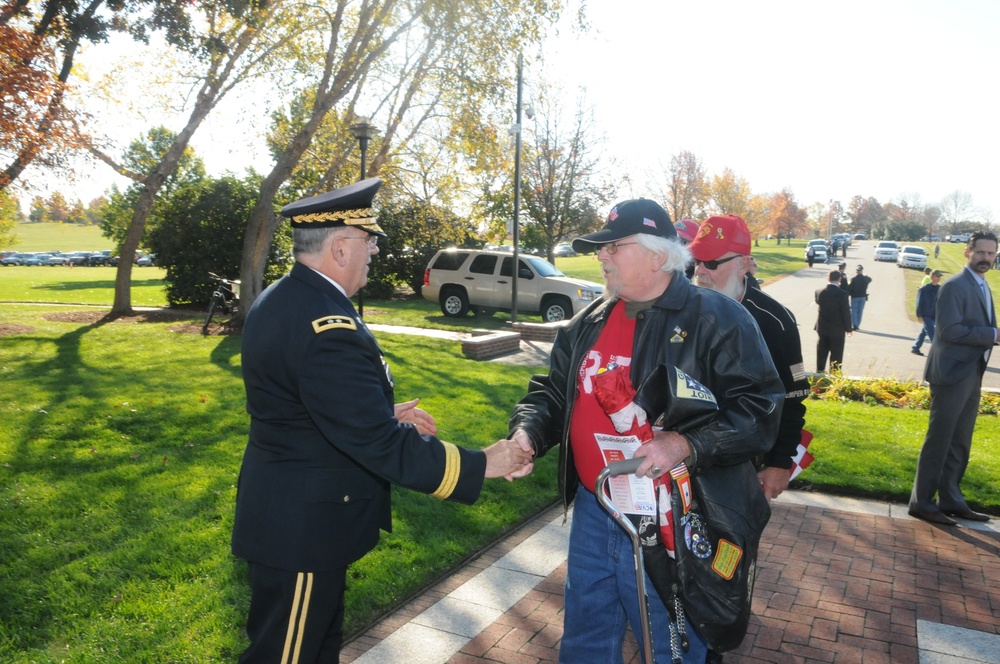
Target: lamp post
(363, 130)
(517, 195)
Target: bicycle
(225, 297)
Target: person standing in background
(859, 295)
(926, 307)
(966, 331)
(833, 323)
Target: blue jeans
(601, 594)
(926, 332)
(857, 308)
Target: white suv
(460, 279)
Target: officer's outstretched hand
(524, 442)
(418, 417)
(506, 457)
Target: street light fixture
(364, 131)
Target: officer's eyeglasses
(714, 265)
(372, 240)
(611, 247)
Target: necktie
(988, 301)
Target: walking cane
(614, 469)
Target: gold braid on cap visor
(360, 217)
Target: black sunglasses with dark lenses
(714, 265)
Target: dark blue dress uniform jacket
(324, 443)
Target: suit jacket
(834, 311)
(965, 330)
(324, 442)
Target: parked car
(147, 260)
(462, 279)
(15, 259)
(79, 257)
(931, 238)
(36, 259)
(57, 259)
(886, 250)
(960, 237)
(860, 236)
(912, 256)
(100, 258)
(820, 253)
(563, 249)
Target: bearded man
(722, 262)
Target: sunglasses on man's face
(714, 265)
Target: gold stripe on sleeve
(452, 469)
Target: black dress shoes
(933, 517)
(967, 514)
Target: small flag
(802, 457)
(613, 215)
(648, 222)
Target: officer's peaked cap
(347, 206)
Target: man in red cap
(722, 261)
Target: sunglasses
(714, 265)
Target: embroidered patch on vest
(727, 559)
(334, 323)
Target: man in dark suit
(966, 331)
(326, 439)
(833, 325)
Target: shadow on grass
(67, 286)
(102, 507)
(224, 353)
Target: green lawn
(59, 237)
(80, 285)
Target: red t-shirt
(613, 349)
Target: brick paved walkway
(832, 586)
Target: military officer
(326, 439)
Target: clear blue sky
(878, 98)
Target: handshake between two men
(507, 458)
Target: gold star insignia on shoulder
(334, 323)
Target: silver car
(464, 279)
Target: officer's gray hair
(676, 255)
(308, 241)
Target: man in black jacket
(833, 324)
(858, 291)
(724, 237)
(326, 439)
(652, 322)
(927, 310)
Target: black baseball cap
(631, 217)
